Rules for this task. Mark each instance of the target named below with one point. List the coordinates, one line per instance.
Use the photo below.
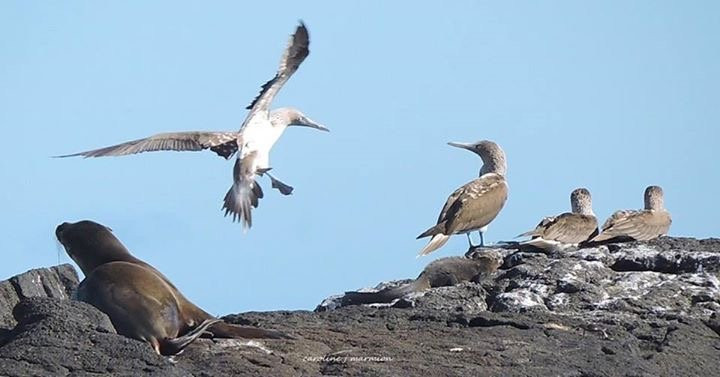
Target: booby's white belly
(259, 136)
(481, 230)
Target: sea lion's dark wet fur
(440, 273)
(140, 301)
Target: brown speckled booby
(475, 204)
(641, 225)
(567, 229)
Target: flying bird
(475, 204)
(252, 143)
(641, 225)
(567, 229)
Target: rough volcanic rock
(63, 337)
(635, 309)
(57, 282)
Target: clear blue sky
(612, 96)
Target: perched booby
(641, 225)
(257, 135)
(567, 229)
(475, 204)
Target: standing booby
(641, 225)
(257, 135)
(567, 229)
(475, 204)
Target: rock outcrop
(55, 282)
(634, 309)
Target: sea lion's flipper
(384, 296)
(173, 346)
(227, 330)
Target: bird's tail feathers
(239, 201)
(529, 233)
(436, 242)
(439, 228)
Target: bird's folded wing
(640, 225)
(222, 143)
(570, 228)
(450, 202)
(471, 190)
(481, 198)
(618, 216)
(539, 229)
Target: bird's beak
(469, 147)
(307, 122)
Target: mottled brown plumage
(651, 222)
(474, 205)
(570, 228)
(641, 225)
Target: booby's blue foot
(282, 187)
(470, 244)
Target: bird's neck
(583, 210)
(495, 165)
(655, 204)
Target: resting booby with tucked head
(252, 143)
(567, 229)
(475, 204)
(641, 225)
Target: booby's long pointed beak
(462, 145)
(307, 122)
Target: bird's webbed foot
(284, 189)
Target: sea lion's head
(90, 244)
(491, 259)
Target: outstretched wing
(296, 51)
(222, 143)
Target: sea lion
(443, 272)
(141, 302)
